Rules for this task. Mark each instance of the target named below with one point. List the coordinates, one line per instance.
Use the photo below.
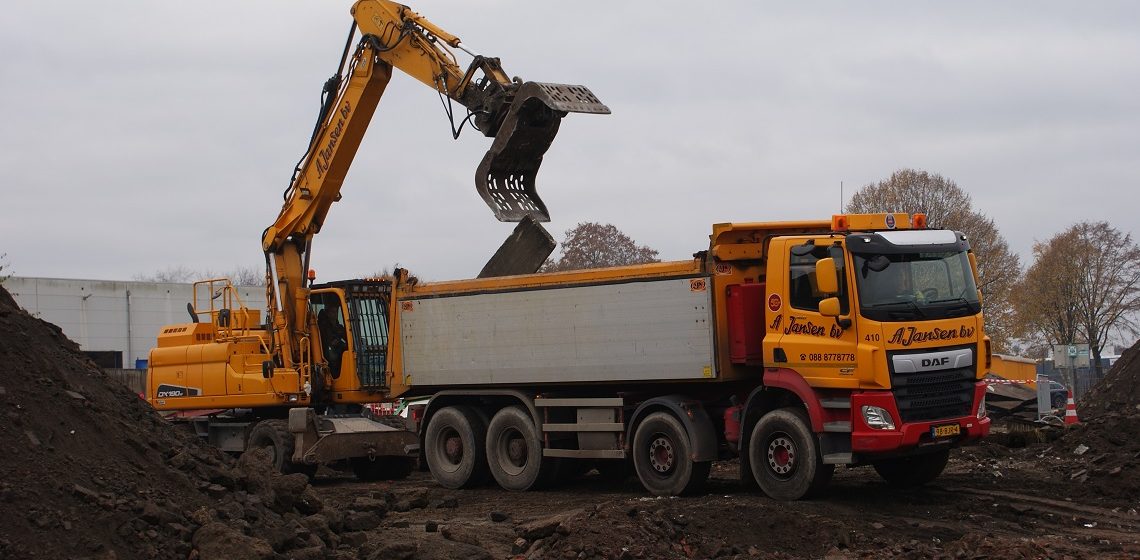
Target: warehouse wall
(113, 316)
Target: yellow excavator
(295, 382)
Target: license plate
(946, 430)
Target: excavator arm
(522, 117)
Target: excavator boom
(521, 117)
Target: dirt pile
(90, 470)
(1118, 394)
(1102, 453)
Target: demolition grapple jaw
(506, 176)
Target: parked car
(1058, 395)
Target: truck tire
(785, 458)
(381, 468)
(455, 447)
(274, 435)
(514, 451)
(663, 457)
(908, 472)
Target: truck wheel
(514, 451)
(274, 435)
(907, 472)
(381, 468)
(454, 447)
(784, 457)
(663, 457)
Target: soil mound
(1118, 394)
(1102, 453)
(90, 470)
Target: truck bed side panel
(659, 329)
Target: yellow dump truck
(796, 346)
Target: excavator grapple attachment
(506, 176)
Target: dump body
(658, 329)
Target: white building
(115, 322)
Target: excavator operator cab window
(368, 314)
(330, 325)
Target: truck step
(584, 427)
(835, 403)
(837, 427)
(580, 403)
(585, 453)
(838, 459)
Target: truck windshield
(921, 285)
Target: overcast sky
(139, 136)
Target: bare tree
(239, 276)
(593, 245)
(1045, 300)
(170, 275)
(1107, 262)
(1083, 286)
(947, 206)
(247, 276)
(3, 276)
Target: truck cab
(877, 328)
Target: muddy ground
(991, 502)
(87, 470)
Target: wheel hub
(453, 448)
(517, 451)
(661, 456)
(781, 455)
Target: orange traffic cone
(1071, 410)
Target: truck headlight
(878, 418)
(982, 407)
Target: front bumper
(912, 436)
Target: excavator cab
(506, 176)
(352, 323)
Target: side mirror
(829, 307)
(826, 276)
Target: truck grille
(933, 395)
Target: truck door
(817, 347)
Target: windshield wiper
(958, 302)
(892, 304)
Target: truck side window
(802, 290)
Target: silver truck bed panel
(659, 329)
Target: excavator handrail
(223, 316)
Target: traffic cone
(1071, 410)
